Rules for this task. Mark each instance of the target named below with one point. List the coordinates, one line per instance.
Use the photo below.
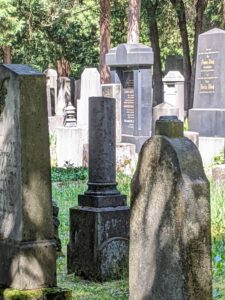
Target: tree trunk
(63, 67)
(181, 15)
(157, 70)
(7, 54)
(105, 18)
(200, 7)
(134, 21)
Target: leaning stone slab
(170, 244)
(27, 246)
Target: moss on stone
(40, 294)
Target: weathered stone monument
(27, 246)
(173, 84)
(51, 86)
(170, 243)
(130, 65)
(208, 114)
(99, 226)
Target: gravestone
(27, 243)
(173, 84)
(65, 94)
(51, 85)
(90, 86)
(114, 91)
(130, 66)
(208, 114)
(170, 242)
(99, 226)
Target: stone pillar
(99, 226)
(27, 244)
(170, 242)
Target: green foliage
(69, 173)
(219, 159)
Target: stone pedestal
(99, 226)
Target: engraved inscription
(207, 79)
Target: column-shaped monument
(27, 246)
(130, 65)
(99, 226)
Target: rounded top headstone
(50, 73)
(213, 31)
(130, 55)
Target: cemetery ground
(69, 182)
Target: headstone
(130, 66)
(114, 91)
(51, 85)
(170, 242)
(208, 114)
(99, 226)
(90, 86)
(173, 84)
(27, 243)
(163, 109)
(65, 94)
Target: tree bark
(200, 6)
(134, 21)
(181, 15)
(157, 70)
(105, 18)
(63, 67)
(7, 54)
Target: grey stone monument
(27, 246)
(208, 114)
(130, 65)
(173, 84)
(99, 226)
(51, 86)
(170, 242)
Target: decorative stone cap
(22, 69)
(169, 126)
(130, 55)
(173, 76)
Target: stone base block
(27, 265)
(99, 241)
(102, 201)
(210, 147)
(138, 141)
(40, 294)
(208, 122)
(54, 122)
(69, 146)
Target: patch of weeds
(68, 173)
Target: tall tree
(105, 17)
(134, 21)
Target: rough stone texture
(130, 66)
(40, 294)
(51, 88)
(218, 174)
(99, 226)
(173, 84)
(208, 114)
(26, 223)
(170, 243)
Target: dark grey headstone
(130, 66)
(208, 114)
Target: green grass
(66, 194)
